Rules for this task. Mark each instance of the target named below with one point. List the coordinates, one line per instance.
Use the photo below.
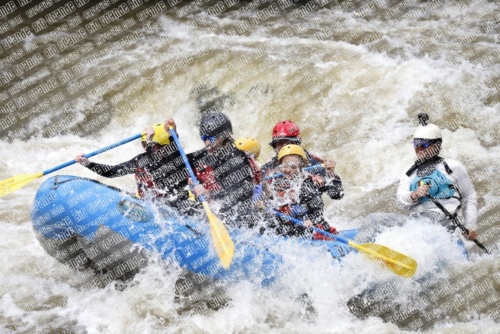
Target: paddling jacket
(158, 174)
(333, 187)
(456, 173)
(299, 200)
(230, 176)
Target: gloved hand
(319, 236)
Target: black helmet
(216, 124)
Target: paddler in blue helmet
(227, 175)
(435, 187)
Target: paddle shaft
(223, 243)
(306, 169)
(107, 148)
(454, 220)
(299, 222)
(357, 247)
(186, 161)
(466, 231)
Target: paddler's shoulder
(313, 159)
(455, 165)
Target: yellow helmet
(292, 149)
(249, 145)
(160, 136)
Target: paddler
(287, 132)
(249, 145)
(155, 172)
(284, 133)
(437, 188)
(226, 174)
(297, 194)
(252, 147)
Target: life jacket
(287, 201)
(441, 187)
(206, 175)
(257, 177)
(434, 198)
(144, 181)
(294, 209)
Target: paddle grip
(480, 245)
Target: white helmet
(429, 131)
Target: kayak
(88, 225)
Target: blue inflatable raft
(86, 224)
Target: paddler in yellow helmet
(296, 194)
(154, 169)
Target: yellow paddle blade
(399, 263)
(222, 240)
(16, 182)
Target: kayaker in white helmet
(435, 187)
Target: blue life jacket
(440, 186)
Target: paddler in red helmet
(288, 132)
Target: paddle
(399, 263)
(454, 220)
(306, 169)
(222, 240)
(16, 182)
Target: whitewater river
(79, 75)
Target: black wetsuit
(160, 175)
(230, 176)
(305, 205)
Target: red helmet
(286, 130)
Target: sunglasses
(212, 139)
(423, 143)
